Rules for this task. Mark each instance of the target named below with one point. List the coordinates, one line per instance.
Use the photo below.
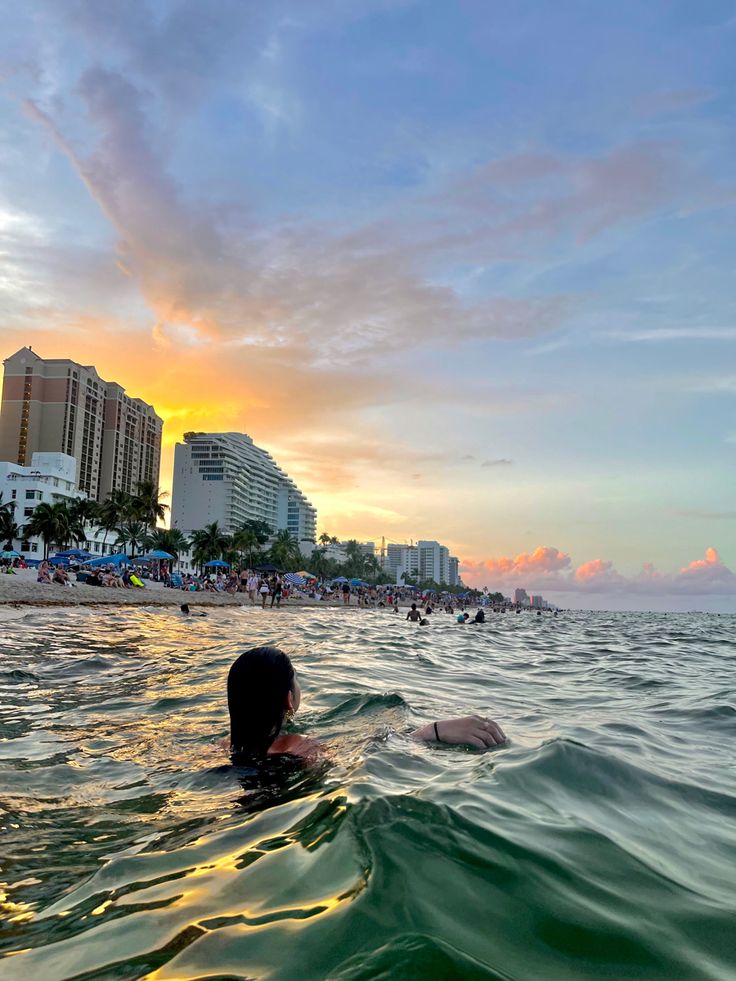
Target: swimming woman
(263, 693)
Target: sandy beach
(22, 589)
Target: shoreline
(22, 590)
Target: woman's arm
(471, 729)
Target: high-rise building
(453, 578)
(401, 560)
(434, 562)
(59, 406)
(520, 597)
(225, 477)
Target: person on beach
(414, 615)
(263, 694)
(277, 589)
(346, 594)
(263, 590)
(480, 616)
(252, 587)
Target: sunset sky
(466, 269)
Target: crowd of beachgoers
(263, 588)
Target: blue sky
(395, 241)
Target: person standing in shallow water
(414, 615)
(263, 694)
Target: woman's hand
(472, 730)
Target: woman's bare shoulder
(295, 745)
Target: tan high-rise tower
(59, 406)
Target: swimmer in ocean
(414, 615)
(184, 608)
(263, 694)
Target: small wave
(18, 675)
(357, 705)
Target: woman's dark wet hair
(258, 686)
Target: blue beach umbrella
(10, 554)
(295, 579)
(118, 559)
(74, 553)
(59, 560)
(340, 579)
(158, 555)
(217, 564)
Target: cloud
(549, 569)
(707, 515)
(285, 286)
(544, 563)
(662, 334)
(501, 462)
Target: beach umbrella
(295, 579)
(267, 567)
(158, 555)
(340, 579)
(59, 560)
(307, 575)
(10, 554)
(217, 564)
(74, 553)
(120, 558)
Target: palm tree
(146, 503)
(131, 534)
(9, 530)
(115, 509)
(325, 538)
(170, 540)
(319, 564)
(246, 540)
(285, 551)
(54, 523)
(208, 543)
(82, 512)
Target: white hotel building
(225, 477)
(50, 478)
(424, 561)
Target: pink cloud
(547, 568)
(595, 569)
(544, 562)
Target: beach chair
(176, 580)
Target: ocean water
(600, 843)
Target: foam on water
(598, 844)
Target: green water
(599, 844)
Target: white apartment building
(400, 560)
(453, 578)
(225, 477)
(367, 548)
(434, 561)
(50, 478)
(336, 553)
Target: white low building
(50, 478)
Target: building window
(34, 547)
(14, 494)
(31, 495)
(27, 512)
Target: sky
(464, 269)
